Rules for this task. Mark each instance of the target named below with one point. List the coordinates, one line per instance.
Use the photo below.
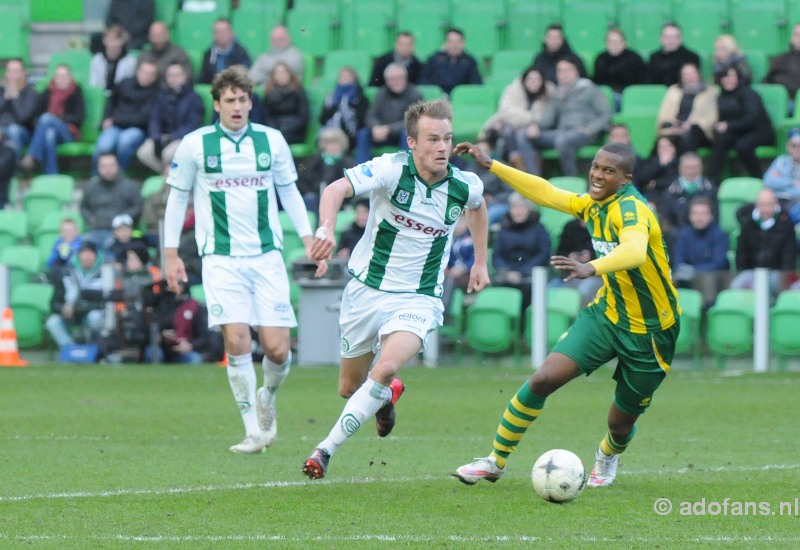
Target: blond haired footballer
(394, 298)
(236, 170)
(634, 318)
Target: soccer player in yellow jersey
(635, 316)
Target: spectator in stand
(107, 195)
(78, 298)
(700, 252)
(281, 49)
(225, 51)
(619, 132)
(112, 63)
(164, 53)
(127, 115)
(618, 66)
(576, 243)
(177, 110)
(526, 105)
(350, 236)
(63, 111)
(766, 240)
(324, 166)
(18, 103)
(727, 54)
(656, 173)
(451, 65)
(8, 167)
(403, 54)
(126, 239)
(285, 104)
(667, 62)
(64, 249)
(385, 125)
(690, 184)
(555, 48)
(582, 113)
(689, 110)
(346, 106)
(783, 175)
(135, 16)
(743, 125)
(785, 68)
(521, 244)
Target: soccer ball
(558, 476)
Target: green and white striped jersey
(236, 212)
(406, 242)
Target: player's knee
(346, 389)
(541, 383)
(276, 350)
(385, 370)
(620, 428)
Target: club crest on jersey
(212, 161)
(263, 161)
(452, 214)
(403, 196)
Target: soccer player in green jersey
(236, 170)
(635, 316)
(394, 300)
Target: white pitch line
(364, 480)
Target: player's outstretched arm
(330, 202)
(478, 224)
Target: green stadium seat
(13, 227)
(642, 127)
(775, 98)
(759, 25)
(95, 99)
(729, 329)
(23, 262)
(427, 21)
(166, 10)
(585, 22)
(312, 32)
(759, 64)
(527, 21)
(252, 22)
(642, 98)
(21, 7)
(642, 21)
(493, 321)
(563, 305)
(37, 206)
(430, 91)
(732, 194)
(334, 60)
(575, 184)
(61, 186)
(453, 328)
(500, 79)
(193, 30)
(152, 185)
(204, 91)
(321, 7)
(30, 303)
(701, 21)
(77, 59)
(472, 104)
(14, 35)
(783, 322)
(690, 338)
(367, 25)
(554, 221)
(511, 61)
(482, 24)
(197, 293)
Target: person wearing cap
(783, 174)
(78, 298)
(127, 239)
(108, 193)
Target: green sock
(523, 409)
(611, 446)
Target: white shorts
(247, 289)
(368, 314)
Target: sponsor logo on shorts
(644, 402)
(345, 345)
(215, 310)
(412, 317)
(281, 307)
(349, 424)
(562, 336)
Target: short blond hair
(438, 109)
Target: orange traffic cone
(9, 353)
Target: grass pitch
(106, 456)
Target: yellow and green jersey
(640, 300)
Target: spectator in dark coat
(346, 105)
(656, 173)
(63, 111)
(785, 68)
(699, 255)
(743, 125)
(161, 51)
(127, 115)
(350, 236)
(324, 166)
(285, 104)
(177, 110)
(18, 104)
(665, 63)
(766, 240)
(385, 125)
(690, 183)
(224, 52)
(521, 244)
(576, 243)
(451, 65)
(554, 48)
(135, 16)
(618, 66)
(403, 53)
(8, 167)
(113, 63)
